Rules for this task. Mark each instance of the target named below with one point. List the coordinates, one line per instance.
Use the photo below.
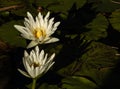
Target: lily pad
(10, 35)
(60, 5)
(115, 20)
(78, 83)
(97, 28)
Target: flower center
(39, 33)
(35, 64)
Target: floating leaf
(65, 5)
(115, 20)
(97, 28)
(104, 5)
(60, 5)
(75, 82)
(10, 35)
(98, 61)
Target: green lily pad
(115, 20)
(10, 35)
(97, 28)
(60, 5)
(75, 82)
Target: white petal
(28, 36)
(37, 49)
(37, 23)
(54, 28)
(26, 53)
(50, 58)
(33, 56)
(46, 20)
(32, 73)
(31, 19)
(46, 17)
(56, 24)
(37, 52)
(52, 40)
(45, 59)
(32, 44)
(29, 26)
(30, 70)
(36, 71)
(53, 55)
(41, 56)
(41, 70)
(25, 36)
(49, 66)
(20, 29)
(24, 73)
(50, 25)
(40, 17)
(24, 63)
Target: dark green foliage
(97, 61)
(104, 5)
(76, 82)
(114, 20)
(46, 86)
(97, 28)
(10, 35)
(60, 5)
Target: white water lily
(36, 63)
(38, 30)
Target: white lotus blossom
(38, 30)
(36, 63)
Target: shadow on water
(73, 48)
(112, 81)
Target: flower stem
(34, 83)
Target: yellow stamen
(38, 33)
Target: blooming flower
(36, 63)
(38, 30)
